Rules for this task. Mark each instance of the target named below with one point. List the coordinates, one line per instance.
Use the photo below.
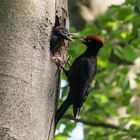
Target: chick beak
(69, 38)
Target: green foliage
(112, 96)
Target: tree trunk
(28, 77)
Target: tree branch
(96, 124)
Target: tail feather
(76, 111)
(63, 108)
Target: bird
(59, 33)
(80, 75)
(59, 44)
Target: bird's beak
(82, 41)
(71, 36)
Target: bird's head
(92, 41)
(63, 33)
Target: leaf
(135, 119)
(102, 99)
(136, 20)
(112, 24)
(136, 41)
(103, 63)
(61, 138)
(135, 130)
(119, 51)
(126, 99)
(129, 53)
(124, 12)
(130, 109)
(112, 111)
(124, 35)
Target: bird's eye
(89, 40)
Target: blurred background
(112, 109)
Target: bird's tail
(76, 111)
(63, 108)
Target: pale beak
(69, 38)
(74, 35)
(82, 40)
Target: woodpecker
(80, 75)
(59, 44)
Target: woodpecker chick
(80, 76)
(59, 44)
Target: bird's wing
(83, 80)
(80, 82)
(55, 43)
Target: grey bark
(28, 77)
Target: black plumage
(59, 34)
(80, 76)
(59, 44)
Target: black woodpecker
(80, 75)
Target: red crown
(96, 37)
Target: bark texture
(28, 77)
